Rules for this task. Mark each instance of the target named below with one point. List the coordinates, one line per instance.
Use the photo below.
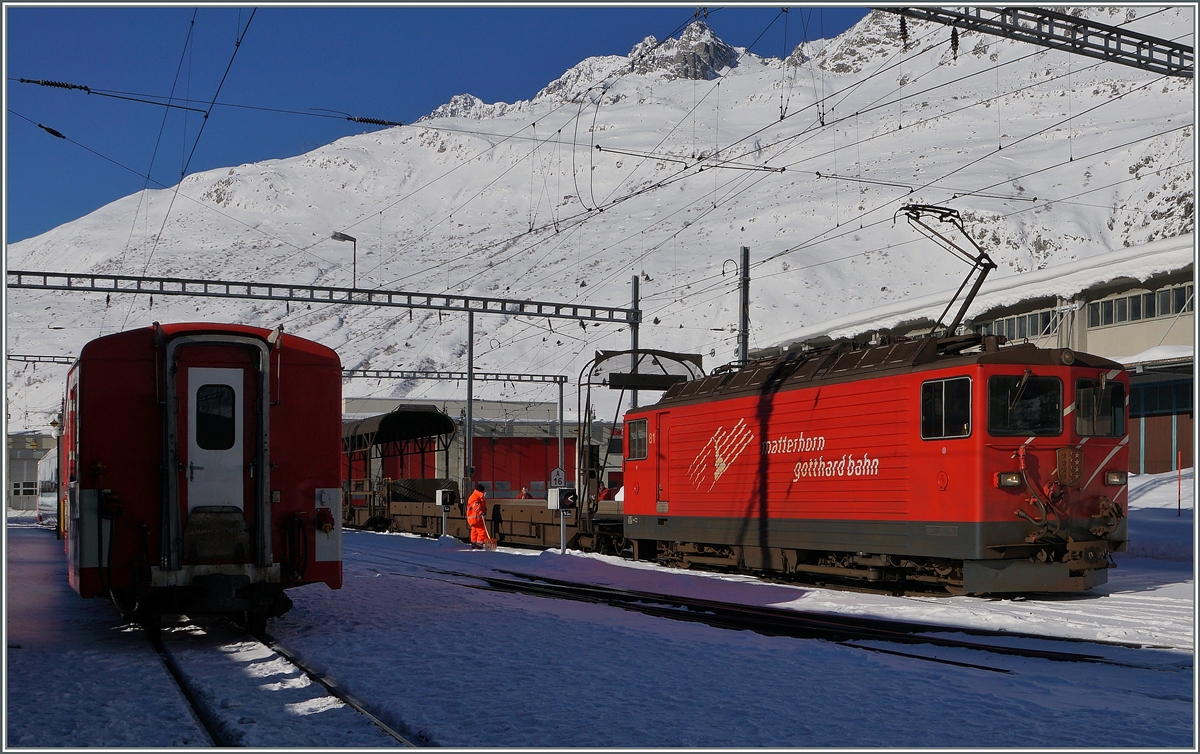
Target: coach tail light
(1116, 478)
(1008, 479)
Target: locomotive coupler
(1087, 554)
(1107, 520)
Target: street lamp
(339, 236)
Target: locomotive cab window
(1025, 404)
(638, 448)
(215, 417)
(946, 408)
(1099, 408)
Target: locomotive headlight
(1008, 479)
(1116, 478)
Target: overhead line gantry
(1064, 32)
(309, 294)
(29, 358)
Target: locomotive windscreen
(1100, 408)
(1025, 405)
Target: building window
(1160, 398)
(946, 408)
(637, 431)
(25, 488)
(1035, 325)
(1162, 303)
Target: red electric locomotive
(201, 466)
(949, 461)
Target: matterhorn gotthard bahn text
(660, 164)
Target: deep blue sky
(390, 63)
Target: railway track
(212, 727)
(253, 692)
(859, 632)
(331, 687)
(868, 633)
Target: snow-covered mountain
(660, 164)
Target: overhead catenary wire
(1043, 203)
(581, 97)
(150, 170)
(360, 120)
(187, 163)
(672, 237)
(381, 210)
(824, 237)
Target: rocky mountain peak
(697, 54)
(469, 106)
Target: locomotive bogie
(202, 468)
(1007, 464)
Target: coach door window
(638, 448)
(215, 429)
(1025, 404)
(946, 408)
(1099, 408)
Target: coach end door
(217, 510)
(216, 452)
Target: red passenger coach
(202, 469)
(948, 461)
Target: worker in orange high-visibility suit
(477, 518)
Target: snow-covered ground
(452, 665)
